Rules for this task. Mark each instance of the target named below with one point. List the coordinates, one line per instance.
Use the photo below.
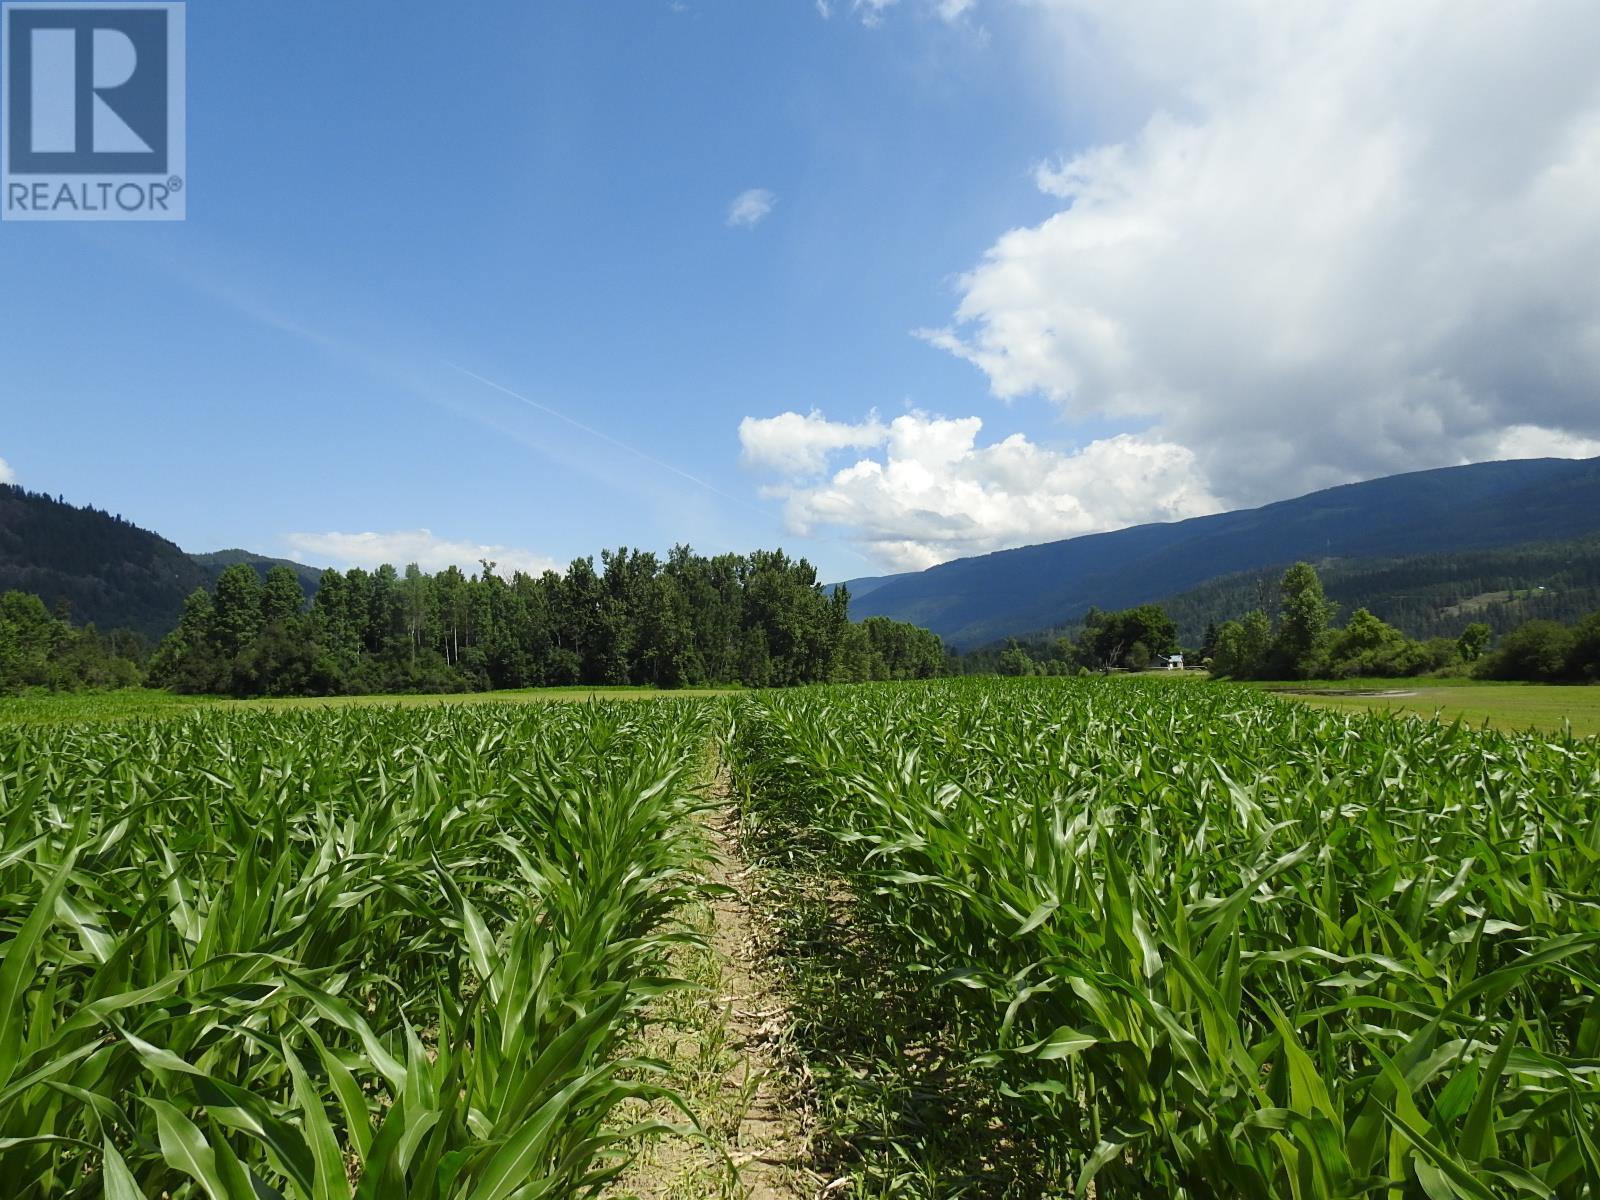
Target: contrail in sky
(603, 436)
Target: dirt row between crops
(723, 1043)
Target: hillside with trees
(219, 560)
(101, 568)
(1303, 643)
(1422, 595)
(106, 570)
(244, 624)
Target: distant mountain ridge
(973, 601)
(863, 586)
(115, 574)
(108, 570)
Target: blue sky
(472, 270)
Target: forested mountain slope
(108, 570)
(1423, 595)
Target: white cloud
(1343, 239)
(7, 475)
(954, 10)
(934, 494)
(750, 208)
(405, 546)
(792, 445)
(1529, 441)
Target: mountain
(1383, 534)
(861, 587)
(972, 601)
(108, 570)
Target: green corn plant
(344, 954)
(1201, 942)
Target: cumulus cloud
(792, 445)
(931, 493)
(750, 208)
(405, 546)
(1345, 239)
(7, 475)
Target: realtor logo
(92, 127)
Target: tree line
(758, 620)
(1302, 643)
(43, 649)
(1134, 639)
(1299, 641)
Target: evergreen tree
(190, 658)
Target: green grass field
(1378, 683)
(1505, 706)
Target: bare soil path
(723, 1043)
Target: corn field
(329, 954)
(1137, 939)
(1111, 938)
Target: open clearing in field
(1506, 706)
